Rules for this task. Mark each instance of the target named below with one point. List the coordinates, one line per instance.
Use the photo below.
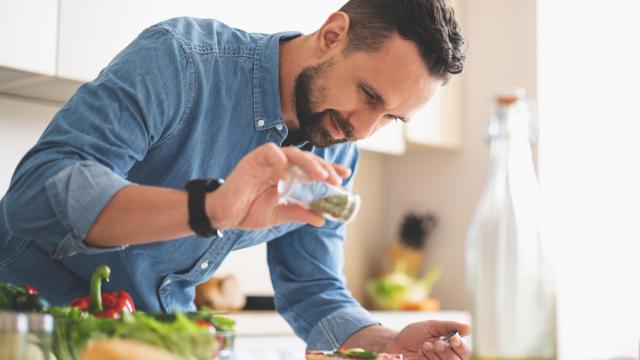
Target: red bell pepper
(206, 325)
(30, 289)
(107, 305)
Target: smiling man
(197, 99)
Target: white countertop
(266, 333)
(268, 323)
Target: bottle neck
(511, 135)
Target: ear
(333, 34)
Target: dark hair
(430, 24)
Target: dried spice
(337, 207)
(333, 202)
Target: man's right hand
(249, 199)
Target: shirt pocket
(177, 290)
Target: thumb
(443, 328)
(296, 213)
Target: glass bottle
(334, 203)
(40, 338)
(13, 335)
(510, 289)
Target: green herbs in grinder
(333, 202)
(337, 207)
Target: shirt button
(204, 265)
(279, 127)
(260, 123)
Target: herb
(337, 206)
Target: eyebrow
(380, 99)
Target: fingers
(442, 328)
(428, 352)
(315, 167)
(342, 171)
(334, 178)
(441, 350)
(460, 348)
(306, 161)
(455, 349)
(268, 155)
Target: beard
(310, 120)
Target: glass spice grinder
(332, 202)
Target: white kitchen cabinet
(389, 140)
(435, 125)
(93, 32)
(438, 123)
(28, 35)
(28, 50)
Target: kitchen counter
(268, 335)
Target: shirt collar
(266, 80)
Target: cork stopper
(506, 99)
(509, 96)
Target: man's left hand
(421, 340)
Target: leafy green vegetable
(18, 298)
(180, 336)
(390, 291)
(221, 323)
(356, 354)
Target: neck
(292, 61)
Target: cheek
(341, 99)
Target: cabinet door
(438, 123)
(388, 140)
(92, 32)
(28, 35)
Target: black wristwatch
(198, 219)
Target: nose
(366, 123)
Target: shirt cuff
(77, 195)
(335, 329)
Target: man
(193, 99)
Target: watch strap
(198, 220)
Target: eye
(371, 98)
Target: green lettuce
(179, 335)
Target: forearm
(142, 214)
(372, 338)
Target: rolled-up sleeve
(310, 288)
(82, 159)
(77, 194)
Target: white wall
(590, 171)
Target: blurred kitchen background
(577, 60)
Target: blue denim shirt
(187, 99)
